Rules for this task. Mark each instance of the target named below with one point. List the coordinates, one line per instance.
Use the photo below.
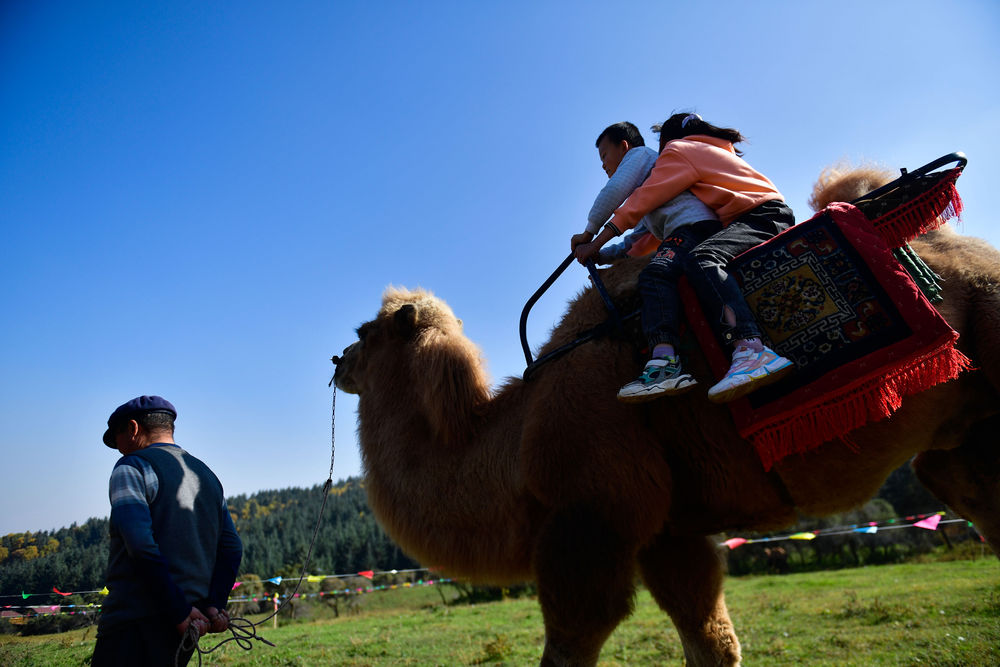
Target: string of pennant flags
(12, 612)
(926, 521)
(313, 578)
(55, 591)
(347, 591)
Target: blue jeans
(661, 309)
(706, 268)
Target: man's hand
(218, 619)
(581, 238)
(195, 618)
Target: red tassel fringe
(921, 214)
(872, 400)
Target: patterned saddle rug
(830, 295)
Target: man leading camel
(174, 550)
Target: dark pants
(706, 269)
(702, 251)
(661, 309)
(149, 642)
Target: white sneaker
(750, 371)
(660, 377)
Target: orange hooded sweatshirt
(707, 166)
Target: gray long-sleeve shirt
(684, 209)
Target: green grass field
(941, 614)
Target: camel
(552, 480)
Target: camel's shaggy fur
(843, 182)
(556, 481)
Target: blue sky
(202, 200)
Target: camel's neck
(455, 505)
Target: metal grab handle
(531, 302)
(598, 283)
(906, 176)
(957, 156)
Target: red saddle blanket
(830, 296)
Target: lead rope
(242, 629)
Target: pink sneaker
(750, 371)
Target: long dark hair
(684, 124)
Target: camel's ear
(405, 320)
(461, 325)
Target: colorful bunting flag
(930, 523)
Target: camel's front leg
(584, 571)
(684, 575)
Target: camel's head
(414, 349)
(404, 316)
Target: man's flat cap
(136, 407)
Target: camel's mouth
(342, 371)
(341, 381)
